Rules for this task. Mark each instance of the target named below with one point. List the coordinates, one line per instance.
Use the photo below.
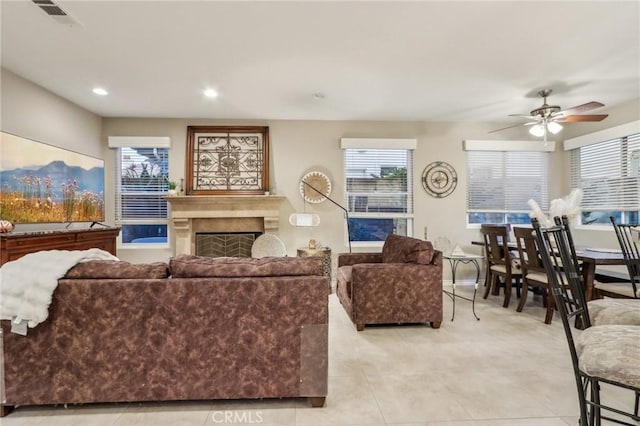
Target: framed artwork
(42, 183)
(227, 160)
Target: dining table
(591, 258)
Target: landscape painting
(41, 183)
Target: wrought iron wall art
(227, 160)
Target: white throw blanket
(27, 283)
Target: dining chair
(627, 235)
(534, 276)
(603, 310)
(500, 262)
(599, 354)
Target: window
(607, 173)
(142, 176)
(500, 183)
(379, 190)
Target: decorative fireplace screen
(227, 160)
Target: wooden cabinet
(16, 245)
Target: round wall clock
(320, 182)
(439, 179)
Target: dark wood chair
(500, 263)
(534, 276)
(599, 354)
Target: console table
(17, 244)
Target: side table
(454, 261)
(325, 253)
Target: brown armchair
(403, 284)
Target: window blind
(379, 181)
(142, 183)
(607, 173)
(503, 182)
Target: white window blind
(607, 173)
(379, 192)
(142, 183)
(377, 180)
(503, 182)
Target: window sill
(149, 246)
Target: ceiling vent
(55, 12)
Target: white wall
(33, 112)
(300, 146)
(296, 147)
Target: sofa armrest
(437, 258)
(347, 259)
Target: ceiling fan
(547, 117)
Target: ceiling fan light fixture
(537, 130)
(554, 127)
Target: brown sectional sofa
(402, 284)
(198, 328)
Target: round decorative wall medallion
(320, 182)
(439, 179)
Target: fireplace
(225, 244)
(201, 214)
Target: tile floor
(508, 369)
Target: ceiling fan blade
(580, 108)
(515, 125)
(575, 118)
(522, 115)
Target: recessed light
(100, 91)
(211, 93)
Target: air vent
(55, 11)
(50, 8)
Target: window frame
(117, 143)
(503, 149)
(355, 144)
(624, 143)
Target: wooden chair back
(528, 250)
(496, 247)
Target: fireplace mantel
(190, 214)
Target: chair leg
(487, 288)
(507, 292)
(523, 298)
(551, 306)
(595, 398)
(495, 289)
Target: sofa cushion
(117, 269)
(189, 266)
(400, 249)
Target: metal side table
(454, 261)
